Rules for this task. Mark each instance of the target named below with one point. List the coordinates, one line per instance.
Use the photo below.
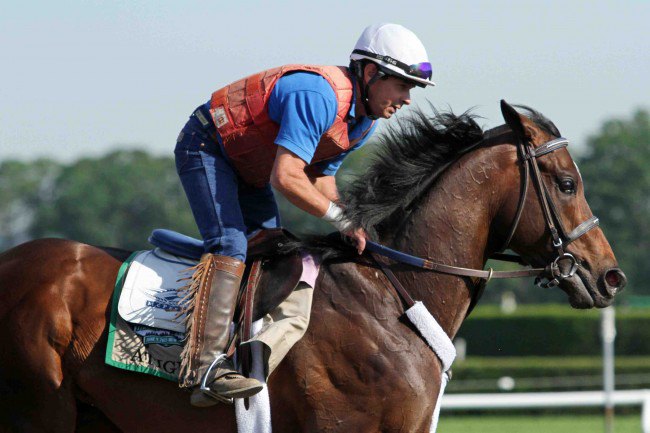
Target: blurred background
(94, 94)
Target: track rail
(533, 400)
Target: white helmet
(397, 51)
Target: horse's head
(437, 189)
(555, 224)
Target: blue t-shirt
(304, 105)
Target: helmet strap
(358, 68)
(366, 103)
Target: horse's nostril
(615, 278)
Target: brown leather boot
(213, 293)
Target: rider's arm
(304, 105)
(289, 178)
(326, 185)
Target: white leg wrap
(257, 418)
(433, 334)
(441, 344)
(436, 412)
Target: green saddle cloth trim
(115, 322)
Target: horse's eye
(567, 186)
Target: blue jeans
(226, 210)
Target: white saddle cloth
(150, 294)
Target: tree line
(117, 199)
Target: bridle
(527, 156)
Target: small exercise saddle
(269, 279)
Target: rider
(289, 127)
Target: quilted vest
(240, 112)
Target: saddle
(269, 279)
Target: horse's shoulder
(365, 318)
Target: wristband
(335, 216)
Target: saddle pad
(150, 295)
(129, 350)
(138, 347)
(144, 334)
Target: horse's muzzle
(615, 280)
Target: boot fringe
(187, 303)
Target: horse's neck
(452, 227)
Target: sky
(81, 78)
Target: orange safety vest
(240, 112)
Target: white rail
(522, 400)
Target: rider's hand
(336, 217)
(359, 237)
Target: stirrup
(204, 385)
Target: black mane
(405, 158)
(404, 164)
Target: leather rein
(527, 155)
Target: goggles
(421, 70)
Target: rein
(427, 264)
(527, 155)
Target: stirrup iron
(204, 385)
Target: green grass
(451, 423)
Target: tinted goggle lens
(421, 70)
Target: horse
(360, 366)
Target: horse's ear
(521, 125)
(512, 118)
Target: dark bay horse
(360, 367)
